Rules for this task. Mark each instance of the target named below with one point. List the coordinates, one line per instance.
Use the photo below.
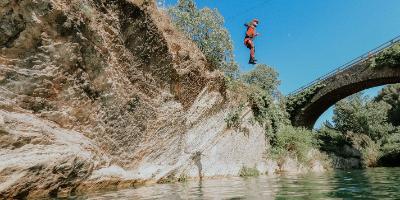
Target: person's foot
(252, 61)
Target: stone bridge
(378, 67)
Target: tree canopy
(206, 28)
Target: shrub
(297, 101)
(268, 112)
(369, 149)
(233, 118)
(292, 141)
(390, 57)
(182, 178)
(168, 179)
(264, 99)
(263, 77)
(390, 150)
(391, 144)
(247, 171)
(331, 140)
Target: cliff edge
(100, 93)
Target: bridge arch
(306, 105)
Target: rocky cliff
(105, 93)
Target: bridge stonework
(359, 77)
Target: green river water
(376, 183)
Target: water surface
(377, 183)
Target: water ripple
(377, 183)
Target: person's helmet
(255, 22)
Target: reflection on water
(378, 183)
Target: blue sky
(305, 39)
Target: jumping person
(248, 40)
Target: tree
(360, 115)
(263, 77)
(391, 95)
(267, 104)
(206, 28)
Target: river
(376, 183)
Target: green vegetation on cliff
(256, 89)
(293, 142)
(206, 28)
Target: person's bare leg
(252, 53)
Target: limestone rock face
(99, 93)
(37, 158)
